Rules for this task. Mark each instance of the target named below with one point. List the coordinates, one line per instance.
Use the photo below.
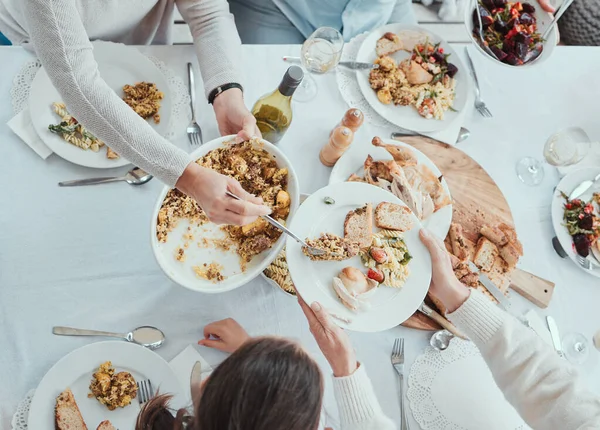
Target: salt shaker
(339, 141)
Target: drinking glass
(321, 52)
(576, 348)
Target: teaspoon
(441, 340)
(135, 176)
(150, 337)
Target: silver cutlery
(434, 315)
(354, 65)
(555, 334)
(583, 187)
(193, 131)
(398, 363)
(563, 7)
(479, 104)
(398, 135)
(440, 340)
(135, 176)
(586, 263)
(311, 250)
(150, 337)
(144, 391)
(558, 248)
(480, 32)
(491, 287)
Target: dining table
(82, 256)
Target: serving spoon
(148, 336)
(135, 176)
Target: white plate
(352, 162)
(313, 279)
(75, 371)
(567, 185)
(544, 20)
(118, 65)
(182, 272)
(407, 116)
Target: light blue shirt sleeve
(365, 15)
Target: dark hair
(268, 383)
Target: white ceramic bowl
(543, 22)
(182, 272)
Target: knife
(398, 135)
(583, 187)
(555, 334)
(438, 318)
(491, 287)
(354, 65)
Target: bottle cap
(291, 80)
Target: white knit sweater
(544, 389)
(60, 30)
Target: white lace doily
(348, 85)
(454, 390)
(180, 116)
(19, 421)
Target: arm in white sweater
(544, 388)
(216, 40)
(61, 43)
(357, 403)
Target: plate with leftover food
(577, 222)
(405, 172)
(95, 387)
(131, 75)
(209, 258)
(512, 31)
(376, 271)
(421, 84)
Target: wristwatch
(222, 88)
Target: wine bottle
(273, 111)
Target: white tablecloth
(81, 256)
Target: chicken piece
(252, 229)
(384, 96)
(385, 63)
(415, 74)
(283, 199)
(375, 170)
(354, 288)
(388, 44)
(423, 179)
(402, 156)
(402, 189)
(355, 178)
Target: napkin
(22, 126)
(182, 365)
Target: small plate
(118, 65)
(352, 162)
(567, 185)
(75, 371)
(407, 116)
(313, 279)
(182, 273)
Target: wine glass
(576, 348)
(563, 148)
(321, 52)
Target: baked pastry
(494, 234)
(66, 414)
(390, 216)
(510, 254)
(457, 240)
(485, 254)
(358, 226)
(105, 425)
(388, 44)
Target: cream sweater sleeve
(357, 403)
(61, 43)
(544, 388)
(215, 38)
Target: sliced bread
(105, 425)
(358, 226)
(510, 254)
(67, 415)
(485, 254)
(458, 242)
(388, 44)
(390, 216)
(494, 234)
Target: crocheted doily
(19, 421)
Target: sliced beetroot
(526, 19)
(528, 8)
(523, 38)
(582, 244)
(587, 222)
(512, 59)
(452, 70)
(500, 25)
(499, 53)
(499, 3)
(521, 50)
(534, 53)
(489, 4)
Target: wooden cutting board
(477, 200)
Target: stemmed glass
(564, 148)
(321, 52)
(576, 348)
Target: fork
(479, 104)
(585, 263)
(193, 131)
(398, 363)
(316, 252)
(145, 391)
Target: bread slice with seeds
(67, 415)
(390, 216)
(358, 226)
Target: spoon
(559, 13)
(441, 340)
(150, 337)
(135, 176)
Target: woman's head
(268, 383)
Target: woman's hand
(545, 4)
(444, 284)
(227, 335)
(233, 117)
(209, 189)
(332, 340)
